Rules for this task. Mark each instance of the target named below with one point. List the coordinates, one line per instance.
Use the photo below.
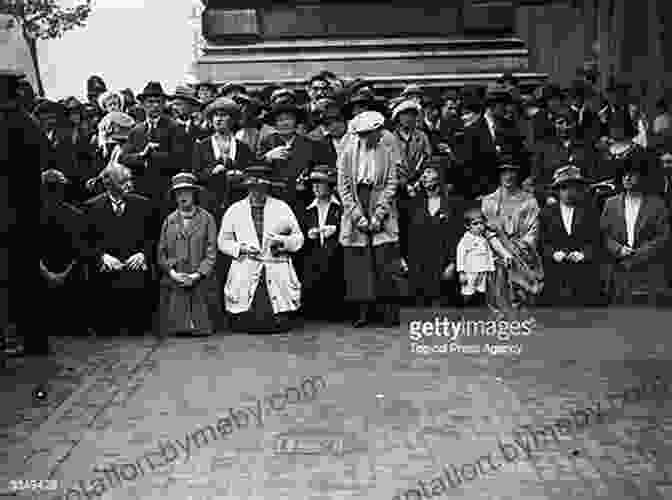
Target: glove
(313, 233)
(111, 263)
(559, 256)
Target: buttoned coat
(576, 283)
(382, 204)
(154, 173)
(221, 190)
(283, 284)
(652, 232)
(187, 250)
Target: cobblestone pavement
(399, 416)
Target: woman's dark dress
(432, 245)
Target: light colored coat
(284, 287)
(383, 205)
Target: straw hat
(567, 174)
(184, 180)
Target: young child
(474, 259)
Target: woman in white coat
(260, 233)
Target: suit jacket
(646, 269)
(585, 235)
(222, 190)
(652, 228)
(153, 174)
(61, 226)
(121, 236)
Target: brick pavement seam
(567, 427)
(153, 349)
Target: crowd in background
(215, 205)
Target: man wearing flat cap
(570, 237)
(636, 229)
(368, 179)
(155, 150)
(185, 104)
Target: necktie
(118, 207)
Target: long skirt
(260, 318)
(186, 310)
(369, 271)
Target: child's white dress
(475, 260)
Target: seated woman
(513, 217)
(187, 250)
(435, 220)
(260, 233)
(322, 269)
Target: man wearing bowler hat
(155, 150)
(636, 229)
(570, 237)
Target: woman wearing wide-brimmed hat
(636, 228)
(513, 219)
(290, 153)
(250, 124)
(434, 227)
(220, 159)
(570, 241)
(260, 233)
(322, 254)
(186, 256)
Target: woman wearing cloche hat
(187, 250)
(322, 269)
(260, 233)
(219, 160)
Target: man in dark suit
(636, 230)
(155, 150)
(120, 225)
(291, 155)
(185, 104)
(330, 130)
(570, 235)
(476, 156)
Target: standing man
(155, 150)
(184, 106)
(95, 87)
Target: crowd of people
(215, 205)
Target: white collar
(333, 200)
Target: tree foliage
(46, 19)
